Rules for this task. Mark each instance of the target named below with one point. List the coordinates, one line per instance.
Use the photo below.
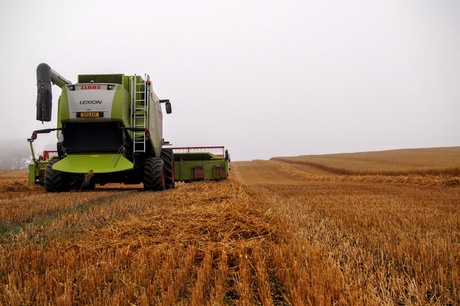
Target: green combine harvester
(110, 130)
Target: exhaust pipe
(46, 75)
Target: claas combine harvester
(110, 130)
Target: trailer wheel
(167, 155)
(55, 180)
(154, 174)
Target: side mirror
(167, 105)
(168, 108)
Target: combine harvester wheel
(154, 174)
(167, 155)
(55, 181)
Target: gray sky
(264, 78)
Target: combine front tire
(167, 156)
(55, 180)
(154, 174)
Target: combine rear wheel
(55, 180)
(167, 156)
(154, 174)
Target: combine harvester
(109, 130)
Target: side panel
(121, 105)
(63, 108)
(155, 123)
(193, 170)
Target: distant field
(378, 228)
(432, 160)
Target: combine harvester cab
(200, 163)
(109, 130)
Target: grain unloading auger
(109, 129)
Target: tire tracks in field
(260, 172)
(44, 219)
(323, 169)
(281, 171)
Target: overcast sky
(264, 78)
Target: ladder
(140, 91)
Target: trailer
(201, 163)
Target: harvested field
(288, 231)
(393, 162)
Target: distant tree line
(14, 154)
